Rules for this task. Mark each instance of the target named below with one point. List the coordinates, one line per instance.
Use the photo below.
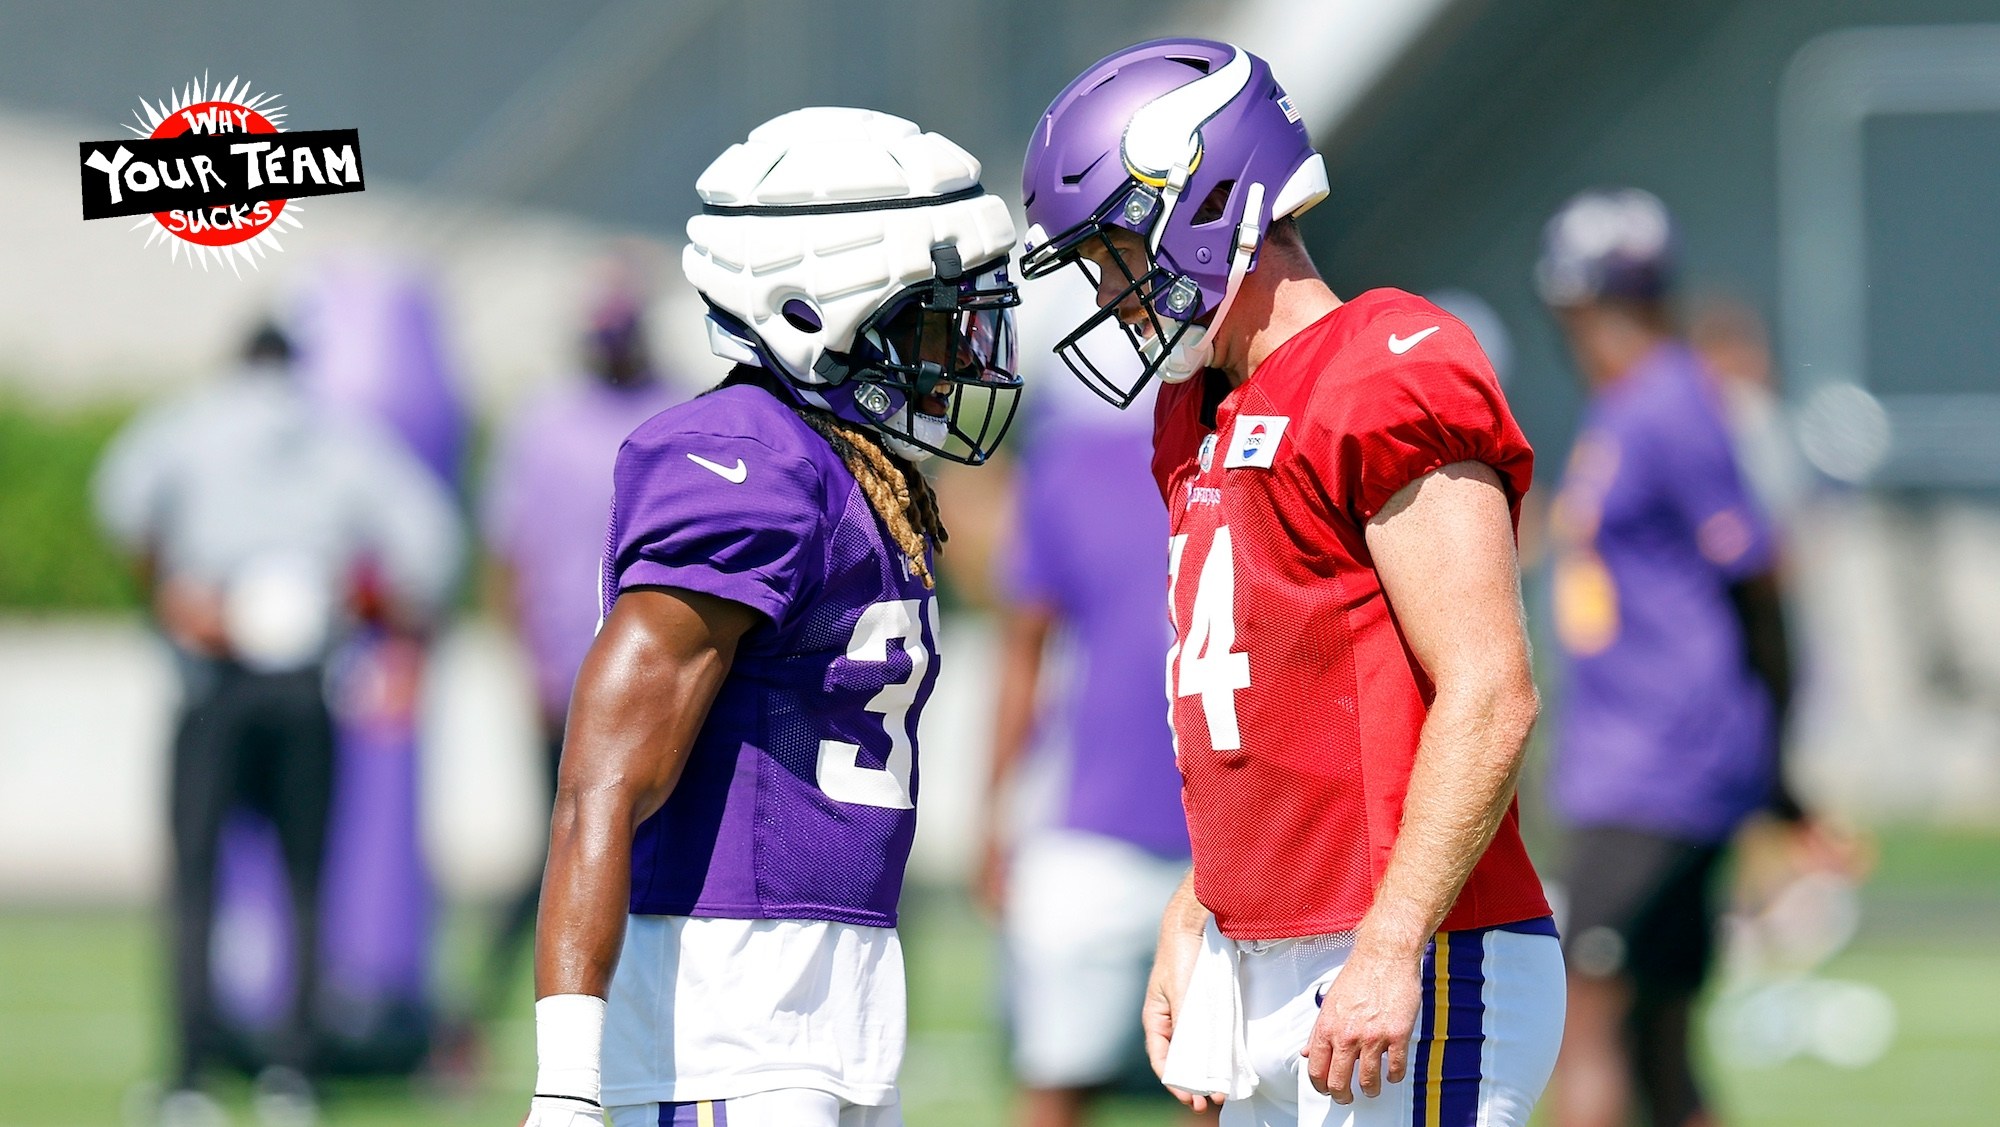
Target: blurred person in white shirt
(263, 527)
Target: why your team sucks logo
(214, 173)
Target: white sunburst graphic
(198, 106)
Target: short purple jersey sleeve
(723, 514)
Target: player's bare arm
(1181, 930)
(640, 698)
(1444, 548)
(1024, 634)
(1759, 604)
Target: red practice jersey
(1296, 703)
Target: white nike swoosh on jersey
(731, 474)
(1400, 345)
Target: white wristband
(569, 1044)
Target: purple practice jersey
(799, 797)
(1663, 726)
(1091, 543)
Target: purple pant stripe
(1465, 1030)
(688, 1114)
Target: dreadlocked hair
(899, 494)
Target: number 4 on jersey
(1203, 663)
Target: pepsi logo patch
(1254, 442)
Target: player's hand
(989, 883)
(1173, 963)
(555, 1111)
(1364, 1026)
(1820, 846)
(192, 615)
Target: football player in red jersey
(1350, 687)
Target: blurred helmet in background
(858, 259)
(1607, 244)
(1190, 145)
(614, 340)
(267, 346)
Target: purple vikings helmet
(1607, 244)
(1189, 144)
(857, 258)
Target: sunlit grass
(82, 1025)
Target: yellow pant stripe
(1440, 1025)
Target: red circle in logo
(218, 226)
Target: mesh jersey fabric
(1296, 740)
(798, 798)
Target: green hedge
(51, 556)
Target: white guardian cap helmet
(857, 258)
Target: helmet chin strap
(1193, 348)
(926, 428)
(904, 449)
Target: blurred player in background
(547, 496)
(738, 788)
(1679, 675)
(1082, 641)
(257, 517)
(1350, 685)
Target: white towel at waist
(1209, 1054)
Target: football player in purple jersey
(1678, 673)
(738, 789)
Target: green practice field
(81, 1025)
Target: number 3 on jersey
(841, 774)
(1202, 662)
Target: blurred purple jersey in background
(544, 513)
(1663, 725)
(1091, 544)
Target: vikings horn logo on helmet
(1190, 145)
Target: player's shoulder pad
(1407, 333)
(1414, 392)
(739, 447)
(742, 419)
